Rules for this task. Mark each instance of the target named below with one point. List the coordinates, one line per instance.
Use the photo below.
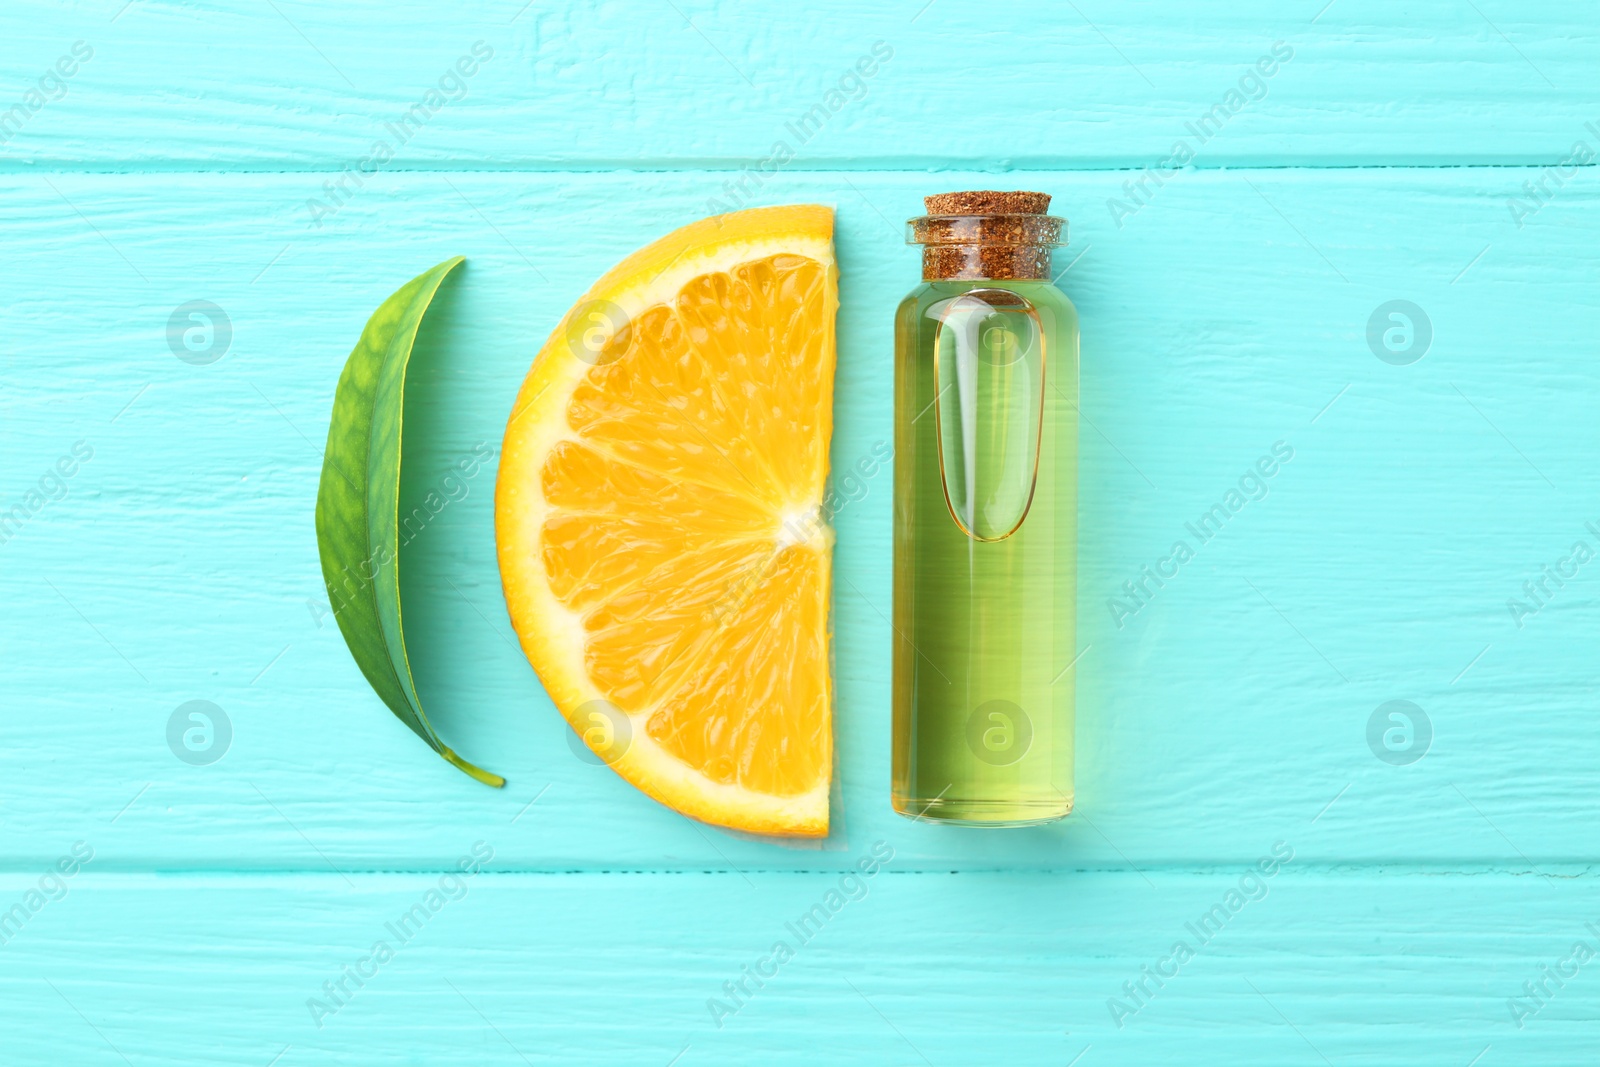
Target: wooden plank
(1303, 967)
(232, 84)
(1228, 313)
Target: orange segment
(658, 517)
(749, 716)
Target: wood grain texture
(910, 969)
(598, 85)
(166, 553)
(1227, 315)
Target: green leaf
(358, 505)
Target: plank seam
(1556, 871)
(737, 166)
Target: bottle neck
(979, 262)
(1014, 247)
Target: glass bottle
(985, 517)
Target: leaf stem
(486, 777)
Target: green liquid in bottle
(985, 552)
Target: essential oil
(985, 523)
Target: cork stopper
(987, 202)
(986, 234)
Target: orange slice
(659, 522)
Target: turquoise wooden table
(1360, 233)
